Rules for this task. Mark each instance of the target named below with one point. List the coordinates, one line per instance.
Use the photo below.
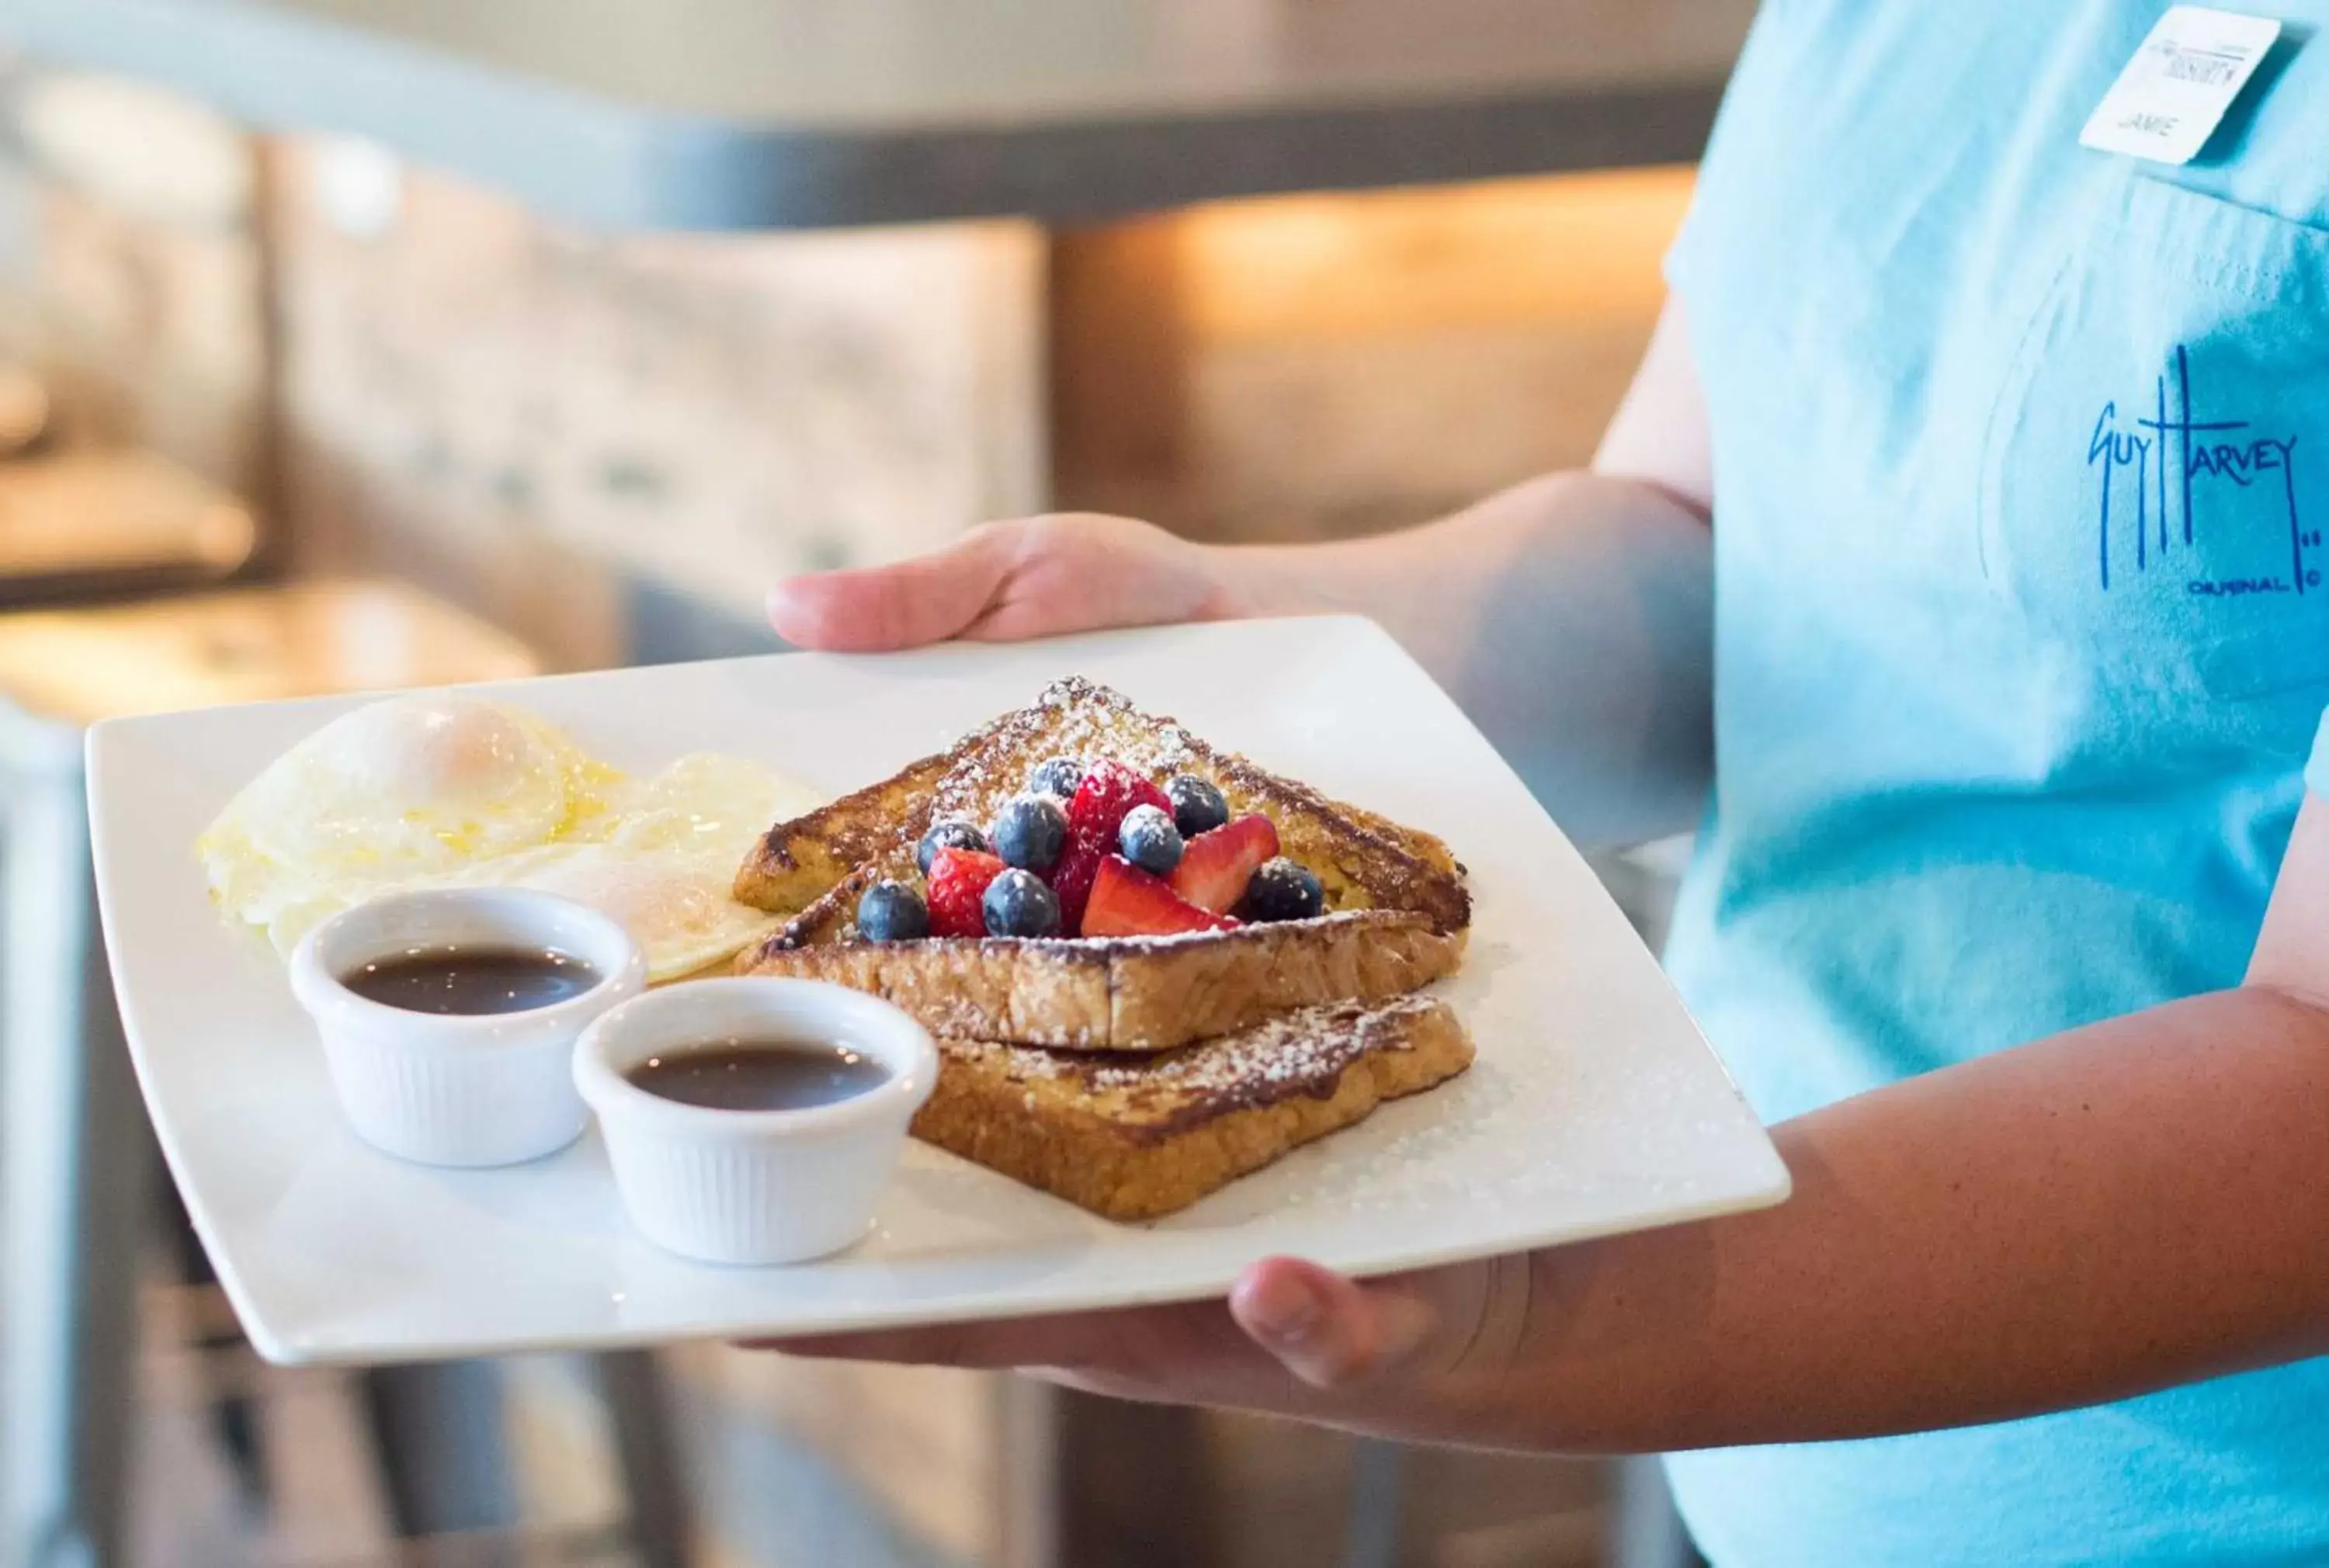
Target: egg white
(660, 858)
(703, 804)
(677, 907)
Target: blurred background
(353, 344)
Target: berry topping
(958, 884)
(892, 912)
(1197, 806)
(1072, 879)
(1060, 776)
(1213, 875)
(1017, 903)
(1109, 793)
(1149, 840)
(1128, 901)
(1283, 890)
(948, 834)
(1030, 832)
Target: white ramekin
(470, 1089)
(754, 1187)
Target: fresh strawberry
(1109, 791)
(1107, 795)
(1127, 901)
(958, 879)
(1216, 865)
(1071, 880)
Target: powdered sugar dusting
(1295, 1053)
(1073, 717)
(1165, 941)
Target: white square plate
(1595, 1106)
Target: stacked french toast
(1152, 967)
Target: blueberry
(1149, 840)
(892, 912)
(1059, 776)
(1018, 904)
(1030, 832)
(1197, 806)
(948, 834)
(1281, 890)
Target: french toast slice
(1365, 860)
(1135, 1138)
(797, 862)
(1395, 906)
(1134, 993)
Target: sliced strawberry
(958, 879)
(1127, 901)
(1109, 791)
(1107, 795)
(1071, 880)
(1216, 865)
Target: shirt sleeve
(1749, 87)
(2317, 766)
(1677, 266)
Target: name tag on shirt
(2173, 93)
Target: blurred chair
(26, 414)
(82, 525)
(75, 1142)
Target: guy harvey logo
(2197, 497)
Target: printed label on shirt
(2224, 471)
(2173, 93)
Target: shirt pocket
(2154, 472)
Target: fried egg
(703, 804)
(408, 787)
(661, 860)
(444, 790)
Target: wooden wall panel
(131, 277)
(1316, 366)
(499, 406)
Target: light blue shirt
(2022, 476)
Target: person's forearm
(2129, 1205)
(1571, 617)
